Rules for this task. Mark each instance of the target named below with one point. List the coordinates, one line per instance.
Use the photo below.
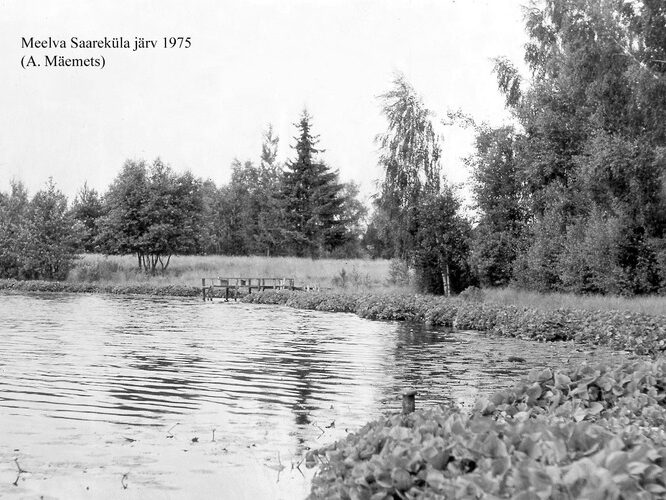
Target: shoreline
(639, 333)
(555, 430)
(113, 289)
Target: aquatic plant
(167, 290)
(632, 331)
(595, 432)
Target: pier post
(408, 401)
(203, 288)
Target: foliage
(652, 305)
(535, 267)
(410, 157)
(152, 213)
(441, 244)
(498, 196)
(270, 236)
(353, 279)
(48, 250)
(591, 432)
(312, 198)
(588, 165)
(267, 209)
(472, 294)
(189, 269)
(415, 219)
(399, 273)
(13, 219)
(86, 210)
(588, 262)
(239, 209)
(622, 330)
(36, 237)
(163, 290)
(410, 149)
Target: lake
(140, 397)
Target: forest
(569, 196)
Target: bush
(399, 273)
(472, 294)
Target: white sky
(251, 62)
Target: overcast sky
(250, 63)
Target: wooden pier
(234, 286)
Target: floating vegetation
(167, 290)
(636, 332)
(594, 432)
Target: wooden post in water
(408, 401)
(203, 288)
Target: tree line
(152, 212)
(573, 197)
(570, 197)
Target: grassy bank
(652, 304)
(596, 432)
(188, 270)
(347, 274)
(636, 332)
(147, 288)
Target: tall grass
(343, 273)
(188, 270)
(654, 305)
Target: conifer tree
(312, 197)
(269, 237)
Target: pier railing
(233, 286)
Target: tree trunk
(446, 279)
(164, 266)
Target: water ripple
(267, 378)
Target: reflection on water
(193, 399)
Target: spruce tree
(312, 198)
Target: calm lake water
(139, 397)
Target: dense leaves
(152, 213)
(416, 219)
(20, 286)
(498, 194)
(590, 432)
(584, 173)
(86, 210)
(37, 239)
(312, 198)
